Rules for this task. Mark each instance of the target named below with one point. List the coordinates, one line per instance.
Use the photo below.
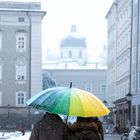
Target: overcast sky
(87, 15)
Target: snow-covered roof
(72, 65)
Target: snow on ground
(14, 136)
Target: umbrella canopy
(69, 101)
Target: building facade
(92, 80)
(135, 63)
(20, 52)
(111, 53)
(74, 66)
(123, 71)
(127, 62)
(73, 47)
(120, 15)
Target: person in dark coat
(99, 125)
(51, 127)
(84, 129)
(22, 130)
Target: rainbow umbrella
(69, 101)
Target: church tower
(73, 47)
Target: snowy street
(18, 136)
(14, 136)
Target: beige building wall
(92, 80)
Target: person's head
(87, 119)
(95, 119)
(47, 114)
(84, 119)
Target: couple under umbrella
(68, 101)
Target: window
(80, 54)
(70, 54)
(21, 71)
(134, 82)
(0, 98)
(103, 89)
(138, 80)
(20, 98)
(61, 54)
(21, 19)
(0, 71)
(134, 114)
(88, 87)
(21, 41)
(0, 40)
(138, 115)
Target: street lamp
(105, 117)
(8, 114)
(8, 111)
(129, 100)
(105, 102)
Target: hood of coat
(51, 118)
(84, 131)
(80, 126)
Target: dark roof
(121, 100)
(71, 41)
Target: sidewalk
(112, 137)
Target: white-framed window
(80, 54)
(0, 98)
(103, 89)
(61, 54)
(134, 82)
(0, 40)
(21, 19)
(21, 41)
(88, 87)
(138, 80)
(20, 98)
(21, 71)
(70, 54)
(0, 72)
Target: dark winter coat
(84, 131)
(99, 125)
(51, 127)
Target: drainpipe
(30, 43)
(130, 108)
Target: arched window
(21, 70)
(70, 54)
(80, 54)
(61, 54)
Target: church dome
(72, 41)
